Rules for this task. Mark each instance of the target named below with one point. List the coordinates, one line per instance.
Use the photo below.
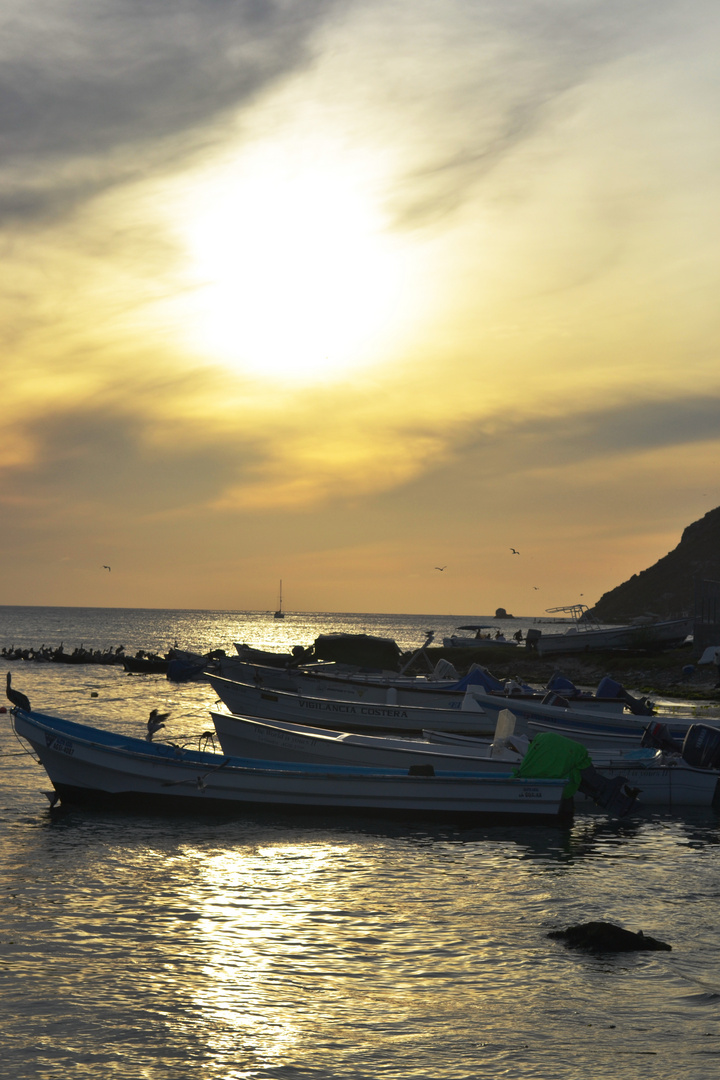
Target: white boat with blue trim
(90, 765)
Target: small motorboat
(90, 765)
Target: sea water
(294, 946)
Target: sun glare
(297, 275)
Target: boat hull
(660, 784)
(663, 635)
(476, 713)
(396, 690)
(86, 764)
(465, 715)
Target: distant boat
(483, 636)
(280, 614)
(586, 634)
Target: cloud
(519, 74)
(107, 455)
(610, 433)
(105, 86)
(101, 460)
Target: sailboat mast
(280, 614)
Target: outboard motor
(561, 684)
(701, 746)
(658, 736)
(555, 699)
(616, 795)
(608, 688)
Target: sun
(297, 272)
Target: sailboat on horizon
(280, 614)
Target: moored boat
(90, 765)
(474, 712)
(466, 716)
(585, 634)
(435, 691)
(661, 778)
(484, 635)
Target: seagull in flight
(105, 567)
(155, 723)
(514, 551)
(441, 567)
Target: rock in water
(607, 937)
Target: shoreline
(647, 673)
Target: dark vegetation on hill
(667, 589)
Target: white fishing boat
(465, 715)
(586, 634)
(473, 713)
(90, 765)
(433, 691)
(662, 779)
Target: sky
(341, 292)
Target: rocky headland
(667, 589)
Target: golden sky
(338, 292)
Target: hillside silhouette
(667, 589)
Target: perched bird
(155, 723)
(514, 551)
(18, 699)
(105, 567)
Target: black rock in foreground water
(607, 937)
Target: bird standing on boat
(16, 697)
(155, 722)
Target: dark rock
(667, 589)
(607, 937)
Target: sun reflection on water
(258, 916)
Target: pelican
(155, 723)
(19, 700)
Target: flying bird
(155, 723)
(105, 567)
(16, 697)
(536, 588)
(514, 551)
(441, 567)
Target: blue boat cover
(478, 676)
(608, 688)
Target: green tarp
(552, 756)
